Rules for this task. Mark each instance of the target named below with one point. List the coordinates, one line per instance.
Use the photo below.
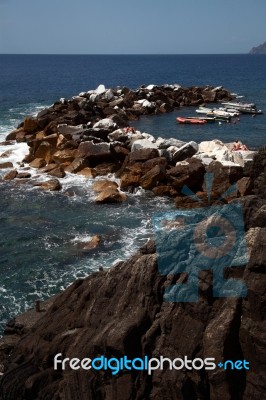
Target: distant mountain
(261, 49)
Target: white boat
(222, 113)
(203, 110)
(239, 105)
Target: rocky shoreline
(121, 311)
(89, 135)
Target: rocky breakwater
(74, 135)
(89, 135)
(121, 312)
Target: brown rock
(87, 172)
(77, 165)
(12, 135)
(105, 169)
(10, 175)
(30, 125)
(52, 139)
(152, 178)
(143, 155)
(40, 135)
(95, 153)
(130, 177)
(57, 172)
(21, 136)
(6, 154)
(49, 167)
(44, 151)
(104, 185)
(111, 196)
(224, 176)
(245, 186)
(52, 184)
(191, 173)
(61, 156)
(23, 175)
(120, 152)
(5, 165)
(165, 190)
(38, 163)
(92, 244)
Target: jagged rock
(118, 135)
(243, 157)
(143, 144)
(189, 173)
(44, 151)
(120, 152)
(152, 178)
(105, 123)
(186, 151)
(87, 172)
(61, 156)
(38, 163)
(245, 186)
(105, 168)
(92, 244)
(30, 125)
(6, 154)
(143, 154)
(111, 196)
(95, 153)
(130, 176)
(10, 175)
(77, 165)
(103, 185)
(57, 172)
(5, 165)
(52, 184)
(224, 176)
(23, 175)
(166, 143)
(12, 135)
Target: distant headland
(261, 49)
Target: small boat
(207, 119)
(247, 110)
(219, 117)
(239, 105)
(203, 110)
(190, 120)
(222, 113)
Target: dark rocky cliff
(121, 311)
(261, 49)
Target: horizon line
(122, 54)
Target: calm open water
(39, 232)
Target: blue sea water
(40, 232)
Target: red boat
(183, 120)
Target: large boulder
(143, 144)
(188, 173)
(62, 156)
(143, 154)
(105, 123)
(111, 196)
(30, 125)
(152, 178)
(95, 153)
(5, 165)
(186, 151)
(51, 184)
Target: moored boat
(190, 120)
(207, 119)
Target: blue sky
(131, 27)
